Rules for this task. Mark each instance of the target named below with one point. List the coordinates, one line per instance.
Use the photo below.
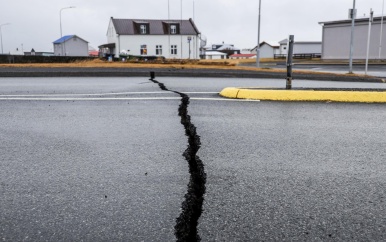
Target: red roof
(243, 55)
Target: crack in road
(186, 224)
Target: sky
(36, 23)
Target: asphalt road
(99, 159)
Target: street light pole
(353, 15)
(258, 39)
(1, 36)
(60, 18)
(380, 38)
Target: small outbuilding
(71, 45)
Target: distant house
(214, 55)
(337, 36)
(228, 49)
(38, 53)
(268, 49)
(71, 45)
(152, 37)
(302, 47)
(243, 56)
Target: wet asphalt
(102, 159)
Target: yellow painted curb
(305, 95)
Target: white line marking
(100, 94)
(120, 99)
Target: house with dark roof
(70, 45)
(152, 37)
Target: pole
(180, 30)
(380, 38)
(353, 15)
(1, 36)
(169, 48)
(60, 19)
(258, 38)
(290, 52)
(368, 40)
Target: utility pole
(353, 15)
(258, 38)
(380, 38)
(290, 53)
(1, 36)
(60, 18)
(368, 40)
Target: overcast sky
(36, 23)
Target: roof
(67, 37)
(156, 26)
(348, 21)
(214, 53)
(228, 47)
(243, 55)
(285, 41)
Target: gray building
(337, 35)
(70, 45)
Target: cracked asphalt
(100, 159)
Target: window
(143, 28)
(173, 50)
(173, 29)
(143, 49)
(158, 49)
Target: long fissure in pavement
(186, 224)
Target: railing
(299, 56)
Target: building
(215, 55)
(301, 47)
(70, 45)
(337, 37)
(268, 49)
(146, 37)
(243, 56)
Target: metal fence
(299, 56)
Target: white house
(70, 45)
(268, 49)
(337, 36)
(151, 37)
(302, 47)
(214, 55)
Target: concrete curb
(310, 95)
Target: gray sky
(35, 23)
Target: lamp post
(258, 39)
(353, 13)
(60, 18)
(380, 38)
(1, 36)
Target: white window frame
(143, 50)
(173, 29)
(143, 29)
(158, 49)
(173, 49)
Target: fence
(299, 56)
(42, 59)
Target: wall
(266, 51)
(336, 41)
(134, 42)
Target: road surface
(102, 159)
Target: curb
(309, 95)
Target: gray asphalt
(101, 159)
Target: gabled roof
(156, 26)
(65, 38)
